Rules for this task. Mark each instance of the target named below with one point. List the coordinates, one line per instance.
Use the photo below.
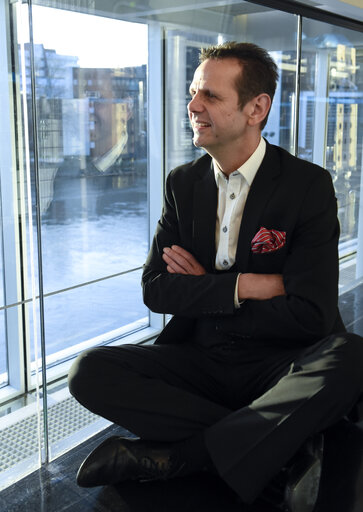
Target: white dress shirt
(232, 196)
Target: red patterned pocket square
(268, 240)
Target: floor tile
(351, 306)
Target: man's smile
(200, 124)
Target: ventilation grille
(20, 440)
(347, 277)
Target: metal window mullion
(297, 86)
(359, 266)
(39, 237)
(321, 92)
(155, 130)
(71, 288)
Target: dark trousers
(255, 407)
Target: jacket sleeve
(305, 314)
(190, 296)
(308, 311)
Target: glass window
(331, 126)
(109, 303)
(75, 199)
(10, 288)
(92, 164)
(245, 22)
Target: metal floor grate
(347, 276)
(20, 440)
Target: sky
(96, 41)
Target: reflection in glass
(119, 313)
(331, 119)
(92, 160)
(279, 38)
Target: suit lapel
(204, 218)
(263, 186)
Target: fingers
(174, 265)
(180, 261)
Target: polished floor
(53, 488)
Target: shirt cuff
(237, 303)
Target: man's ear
(259, 107)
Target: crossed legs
(251, 416)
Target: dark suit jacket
(287, 194)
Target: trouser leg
(251, 445)
(160, 393)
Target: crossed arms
(250, 286)
(297, 303)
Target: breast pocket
(268, 262)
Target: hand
(180, 261)
(260, 286)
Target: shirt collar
(249, 169)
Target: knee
(81, 374)
(353, 345)
(350, 346)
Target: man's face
(216, 118)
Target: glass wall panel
(277, 32)
(331, 126)
(237, 22)
(9, 290)
(74, 186)
(20, 407)
(118, 313)
(92, 164)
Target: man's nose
(195, 104)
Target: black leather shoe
(303, 480)
(296, 487)
(118, 459)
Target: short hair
(258, 70)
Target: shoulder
(297, 170)
(191, 171)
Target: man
(245, 257)
(88, 185)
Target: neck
(230, 160)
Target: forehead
(217, 73)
